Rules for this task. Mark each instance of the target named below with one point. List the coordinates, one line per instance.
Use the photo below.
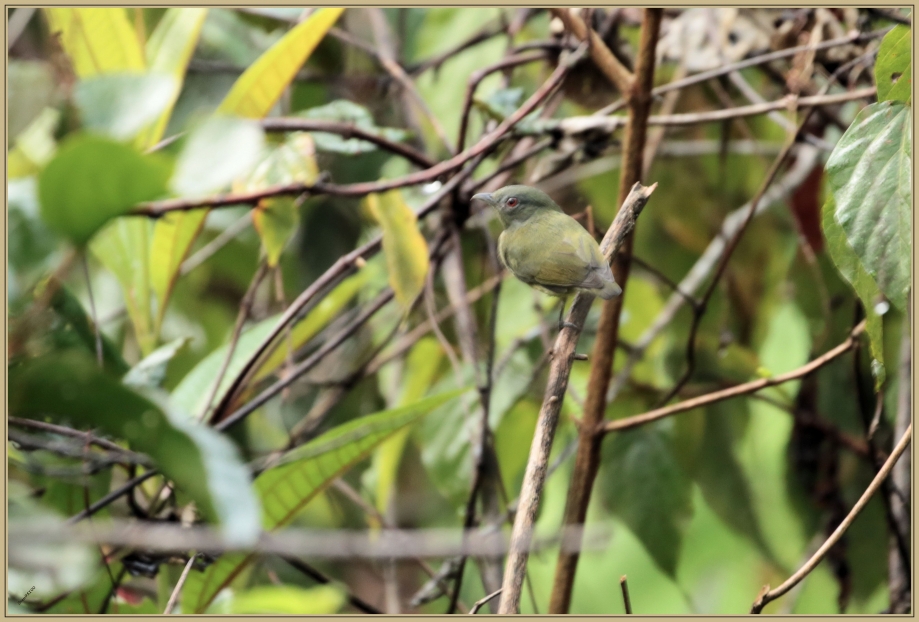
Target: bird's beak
(487, 197)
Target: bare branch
(741, 389)
(605, 60)
(769, 595)
(565, 343)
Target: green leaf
(203, 463)
(151, 371)
(122, 248)
(893, 71)
(93, 179)
(870, 173)
(169, 49)
(256, 91)
(645, 487)
(344, 111)
(196, 386)
(276, 220)
(405, 248)
(865, 288)
(289, 600)
(120, 105)
(98, 40)
(220, 151)
(284, 490)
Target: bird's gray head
(518, 203)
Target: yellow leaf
(173, 236)
(276, 219)
(98, 40)
(261, 85)
(405, 248)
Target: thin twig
(608, 125)
(482, 601)
(178, 588)
(769, 595)
(741, 389)
(624, 585)
(347, 131)
(565, 343)
(751, 62)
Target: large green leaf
(867, 290)
(261, 85)
(893, 69)
(93, 179)
(151, 371)
(122, 248)
(120, 105)
(405, 248)
(98, 40)
(645, 487)
(870, 175)
(169, 50)
(203, 463)
(196, 386)
(305, 472)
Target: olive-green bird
(546, 248)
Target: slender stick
(178, 588)
(605, 60)
(535, 475)
(624, 585)
(769, 595)
(482, 601)
(741, 389)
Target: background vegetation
(247, 291)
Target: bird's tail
(610, 289)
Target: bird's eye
(512, 202)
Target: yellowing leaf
(173, 236)
(98, 40)
(405, 248)
(276, 219)
(258, 89)
(168, 51)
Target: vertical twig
(563, 356)
(624, 585)
(178, 588)
(587, 459)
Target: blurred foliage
(124, 325)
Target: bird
(546, 248)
